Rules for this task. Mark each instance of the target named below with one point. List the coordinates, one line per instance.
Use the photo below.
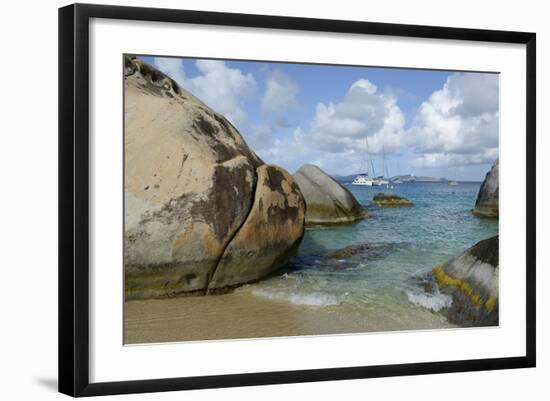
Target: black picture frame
(74, 198)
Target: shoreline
(241, 315)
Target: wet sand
(243, 315)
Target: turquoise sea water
(403, 243)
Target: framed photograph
(252, 199)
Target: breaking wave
(309, 299)
(434, 302)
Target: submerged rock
(348, 251)
(192, 191)
(355, 255)
(327, 202)
(471, 278)
(487, 198)
(390, 200)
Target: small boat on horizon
(454, 182)
(379, 181)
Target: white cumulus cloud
(280, 93)
(455, 159)
(364, 112)
(335, 139)
(286, 152)
(459, 123)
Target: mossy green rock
(390, 200)
(472, 280)
(327, 202)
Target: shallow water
(370, 288)
(403, 243)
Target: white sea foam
(309, 299)
(434, 302)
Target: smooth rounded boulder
(190, 185)
(487, 198)
(327, 202)
(268, 237)
(472, 280)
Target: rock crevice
(268, 237)
(222, 253)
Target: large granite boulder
(487, 198)
(191, 184)
(472, 280)
(390, 200)
(327, 202)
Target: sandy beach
(242, 315)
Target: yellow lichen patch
(490, 304)
(477, 300)
(443, 278)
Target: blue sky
(437, 123)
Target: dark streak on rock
(226, 125)
(183, 159)
(215, 208)
(486, 251)
(222, 151)
(205, 126)
(273, 180)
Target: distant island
(403, 178)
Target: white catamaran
(364, 179)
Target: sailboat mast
(456, 172)
(383, 160)
(367, 153)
